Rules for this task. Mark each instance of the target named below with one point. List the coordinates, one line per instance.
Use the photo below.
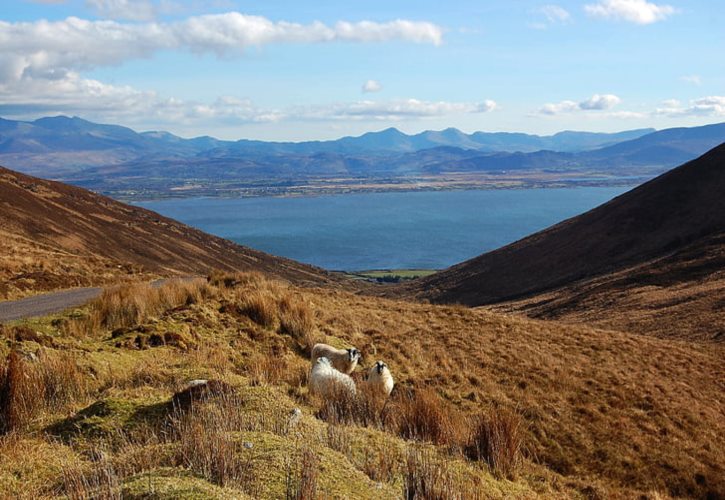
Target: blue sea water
(394, 230)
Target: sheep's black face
(353, 354)
(380, 366)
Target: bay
(392, 230)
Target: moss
(273, 458)
(30, 467)
(172, 484)
(155, 334)
(106, 418)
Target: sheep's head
(324, 361)
(353, 355)
(380, 367)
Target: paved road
(54, 302)
(49, 303)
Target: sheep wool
(380, 380)
(325, 380)
(344, 360)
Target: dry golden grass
(600, 414)
(430, 479)
(129, 305)
(302, 484)
(497, 438)
(32, 386)
(28, 267)
(598, 406)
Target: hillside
(678, 217)
(53, 235)
(681, 296)
(582, 413)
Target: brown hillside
(678, 296)
(676, 217)
(605, 414)
(54, 235)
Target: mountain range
(121, 162)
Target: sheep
(344, 360)
(326, 381)
(380, 380)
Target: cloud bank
(45, 49)
(596, 102)
(633, 11)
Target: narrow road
(49, 303)
(54, 302)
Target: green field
(391, 275)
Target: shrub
(497, 439)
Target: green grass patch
(391, 275)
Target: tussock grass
(421, 416)
(297, 320)
(261, 307)
(364, 408)
(223, 279)
(428, 479)
(428, 440)
(129, 305)
(497, 438)
(302, 484)
(30, 387)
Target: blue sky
(291, 70)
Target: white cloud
(606, 101)
(555, 14)
(633, 11)
(96, 100)
(596, 102)
(134, 10)
(372, 86)
(704, 106)
(558, 108)
(52, 49)
(693, 79)
(549, 15)
(394, 110)
(42, 62)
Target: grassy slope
(82, 235)
(678, 296)
(608, 414)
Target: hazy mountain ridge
(121, 162)
(64, 134)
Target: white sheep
(326, 381)
(380, 380)
(344, 360)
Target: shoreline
(321, 190)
